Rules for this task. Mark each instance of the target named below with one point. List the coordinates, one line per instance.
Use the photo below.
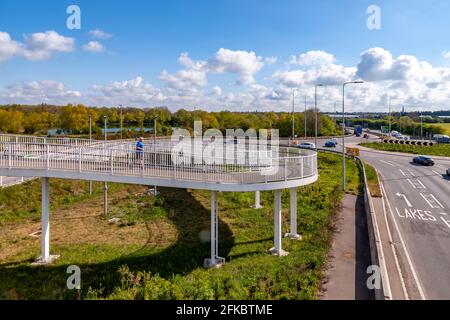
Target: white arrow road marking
(432, 201)
(408, 257)
(406, 199)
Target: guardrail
(118, 159)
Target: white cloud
(8, 47)
(41, 45)
(243, 63)
(39, 91)
(129, 92)
(270, 60)
(446, 54)
(188, 81)
(217, 91)
(318, 57)
(100, 34)
(93, 46)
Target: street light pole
(305, 118)
(90, 140)
(421, 126)
(105, 189)
(154, 147)
(343, 130)
(293, 114)
(315, 112)
(121, 121)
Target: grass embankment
(154, 252)
(372, 181)
(436, 150)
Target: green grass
(436, 150)
(23, 201)
(372, 180)
(156, 253)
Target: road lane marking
(400, 195)
(411, 173)
(432, 201)
(447, 222)
(387, 163)
(408, 257)
(416, 214)
(416, 184)
(437, 173)
(402, 172)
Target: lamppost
(293, 113)
(154, 147)
(90, 140)
(390, 117)
(343, 129)
(421, 126)
(315, 112)
(304, 118)
(121, 121)
(105, 200)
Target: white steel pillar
(45, 232)
(45, 245)
(215, 260)
(293, 208)
(257, 200)
(277, 249)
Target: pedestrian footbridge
(166, 163)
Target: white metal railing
(119, 158)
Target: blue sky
(139, 63)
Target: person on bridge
(140, 150)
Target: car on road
(307, 145)
(330, 144)
(448, 172)
(423, 160)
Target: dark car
(423, 160)
(330, 144)
(448, 172)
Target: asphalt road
(416, 207)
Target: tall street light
(390, 116)
(343, 129)
(154, 147)
(293, 113)
(304, 118)
(421, 126)
(121, 121)
(315, 112)
(105, 200)
(90, 140)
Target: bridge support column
(257, 200)
(277, 249)
(45, 257)
(293, 207)
(215, 260)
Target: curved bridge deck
(159, 164)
